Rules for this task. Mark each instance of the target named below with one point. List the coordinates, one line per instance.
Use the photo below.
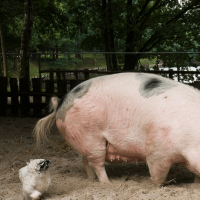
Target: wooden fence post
(170, 73)
(73, 83)
(37, 100)
(58, 74)
(51, 75)
(14, 97)
(3, 96)
(24, 99)
(39, 64)
(64, 75)
(61, 86)
(1, 68)
(76, 74)
(197, 84)
(86, 74)
(49, 84)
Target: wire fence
(40, 63)
(58, 73)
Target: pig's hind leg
(99, 168)
(96, 160)
(90, 172)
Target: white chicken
(35, 179)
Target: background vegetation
(104, 25)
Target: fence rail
(25, 101)
(69, 60)
(31, 99)
(87, 73)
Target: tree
(46, 11)
(112, 36)
(26, 39)
(131, 26)
(106, 39)
(10, 11)
(3, 49)
(141, 26)
(164, 20)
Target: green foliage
(77, 25)
(121, 58)
(11, 12)
(34, 70)
(64, 62)
(9, 75)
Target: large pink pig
(130, 117)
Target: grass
(64, 62)
(146, 61)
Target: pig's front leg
(158, 169)
(90, 172)
(196, 179)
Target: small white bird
(35, 178)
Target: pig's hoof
(92, 178)
(106, 183)
(196, 179)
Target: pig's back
(139, 105)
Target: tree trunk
(78, 56)
(15, 60)
(106, 39)
(1, 71)
(130, 61)
(111, 33)
(53, 55)
(56, 51)
(26, 39)
(3, 49)
(116, 45)
(94, 57)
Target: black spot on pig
(153, 85)
(67, 101)
(61, 101)
(78, 89)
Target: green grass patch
(68, 62)
(147, 61)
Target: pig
(129, 117)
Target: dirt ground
(69, 181)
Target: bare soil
(69, 180)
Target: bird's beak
(44, 165)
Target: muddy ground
(69, 181)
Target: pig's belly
(113, 155)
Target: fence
(31, 99)
(182, 64)
(25, 101)
(42, 63)
(76, 74)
